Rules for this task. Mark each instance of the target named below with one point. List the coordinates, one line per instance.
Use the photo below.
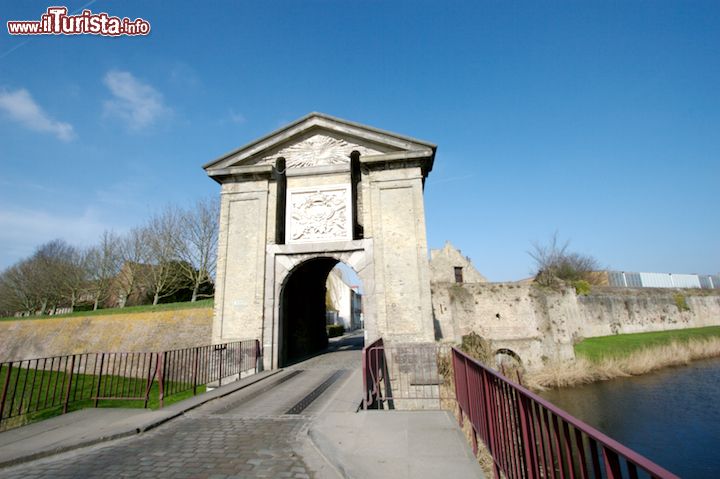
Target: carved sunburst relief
(318, 150)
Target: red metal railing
(373, 371)
(34, 385)
(529, 437)
(186, 369)
(404, 376)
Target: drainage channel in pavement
(252, 395)
(315, 393)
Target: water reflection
(671, 416)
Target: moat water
(672, 417)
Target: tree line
(174, 252)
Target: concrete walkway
(246, 429)
(395, 444)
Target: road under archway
(302, 331)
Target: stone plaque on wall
(319, 214)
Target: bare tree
(17, 288)
(103, 263)
(57, 274)
(31, 284)
(163, 238)
(555, 262)
(71, 274)
(174, 250)
(197, 249)
(133, 254)
(41, 269)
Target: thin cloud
(20, 106)
(237, 118)
(184, 75)
(22, 230)
(137, 103)
(123, 194)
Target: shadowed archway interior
(302, 312)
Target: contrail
(22, 44)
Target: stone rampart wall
(540, 324)
(148, 331)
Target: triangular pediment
(320, 148)
(319, 140)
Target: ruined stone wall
(444, 261)
(540, 324)
(609, 311)
(150, 331)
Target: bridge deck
(298, 423)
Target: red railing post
(612, 464)
(97, 389)
(6, 385)
(371, 371)
(258, 355)
(221, 360)
(525, 426)
(161, 377)
(15, 390)
(456, 377)
(195, 370)
(149, 377)
(364, 378)
(69, 385)
(471, 416)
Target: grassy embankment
(205, 303)
(622, 355)
(41, 387)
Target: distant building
(626, 279)
(344, 302)
(448, 265)
(130, 286)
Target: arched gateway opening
(308, 308)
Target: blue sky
(600, 120)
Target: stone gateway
(294, 203)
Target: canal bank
(669, 416)
(627, 355)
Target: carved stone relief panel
(318, 150)
(319, 214)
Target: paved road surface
(247, 434)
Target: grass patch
(582, 287)
(41, 415)
(335, 330)
(640, 361)
(205, 303)
(621, 345)
(681, 302)
(42, 392)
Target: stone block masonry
(316, 192)
(540, 324)
(146, 331)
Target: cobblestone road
(199, 447)
(244, 435)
